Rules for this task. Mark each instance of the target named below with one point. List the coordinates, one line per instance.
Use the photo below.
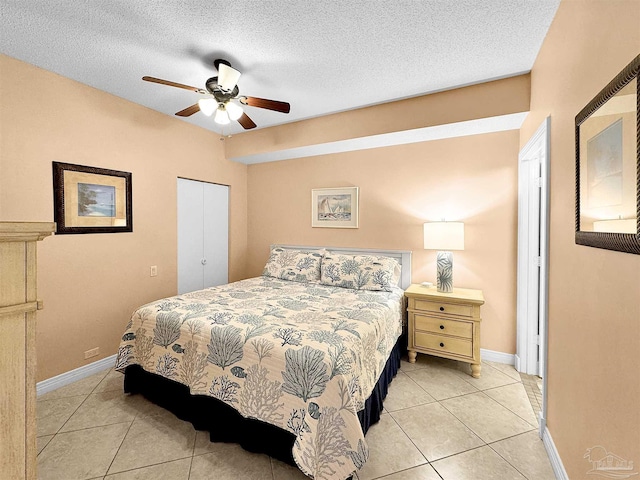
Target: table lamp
(444, 237)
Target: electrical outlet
(154, 271)
(94, 352)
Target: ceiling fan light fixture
(222, 117)
(227, 77)
(221, 98)
(207, 106)
(234, 111)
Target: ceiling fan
(222, 98)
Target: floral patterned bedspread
(301, 356)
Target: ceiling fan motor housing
(220, 95)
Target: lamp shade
(444, 236)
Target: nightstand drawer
(445, 308)
(440, 325)
(442, 343)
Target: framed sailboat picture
(334, 207)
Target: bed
(294, 363)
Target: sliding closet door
(190, 235)
(216, 234)
(203, 235)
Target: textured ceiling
(320, 56)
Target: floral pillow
(360, 272)
(295, 265)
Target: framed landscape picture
(334, 207)
(91, 199)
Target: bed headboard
(403, 257)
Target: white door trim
(528, 281)
(527, 334)
(545, 132)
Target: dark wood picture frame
(91, 200)
(622, 242)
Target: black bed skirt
(225, 424)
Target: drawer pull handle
(441, 344)
(441, 327)
(442, 309)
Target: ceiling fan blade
(171, 84)
(187, 112)
(246, 122)
(283, 107)
(227, 76)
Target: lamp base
(445, 272)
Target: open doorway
(533, 255)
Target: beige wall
(90, 284)
(472, 179)
(489, 99)
(594, 294)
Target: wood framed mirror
(608, 166)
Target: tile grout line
(533, 390)
(459, 453)
(430, 462)
(406, 470)
(421, 388)
(411, 440)
(76, 411)
(439, 400)
(515, 413)
(120, 446)
(193, 455)
(506, 460)
(69, 418)
(470, 382)
(505, 406)
(476, 434)
(466, 426)
(146, 466)
(271, 467)
(89, 428)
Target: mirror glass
(608, 163)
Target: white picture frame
(334, 207)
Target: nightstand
(445, 324)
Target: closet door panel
(216, 234)
(190, 235)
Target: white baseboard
(554, 456)
(66, 378)
(498, 357)
(517, 363)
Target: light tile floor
(533, 387)
(439, 423)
